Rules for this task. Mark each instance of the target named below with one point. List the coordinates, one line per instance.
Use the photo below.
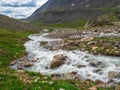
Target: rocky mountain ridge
(57, 11)
(14, 24)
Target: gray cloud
(7, 11)
(19, 8)
(31, 3)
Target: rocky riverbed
(104, 41)
(50, 54)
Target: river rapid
(105, 64)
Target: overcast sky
(19, 8)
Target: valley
(63, 45)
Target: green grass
(110, 13)
(108, 17)
(76, 24)
(60, 9)
(9, 81)
(107, 38)
(11, 45)
(109, 9)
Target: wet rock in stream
(97, 64)
(22, 63)
(13, 62)
(43, 43)
(81, 66)
(52, 45)
(27, 64)
(20, 66)
(57, 61)
(113, 74)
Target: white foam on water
(75, 58)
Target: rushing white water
(75, 58)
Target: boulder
(27, 64)
(60, 57)
(113, 74)
(71, 76)
(98, 71)
(73, 72)
(87, 39)
(20, 67)
(80, 66)
(56, 76)
(108, 31)
(54, 48)
(34, 60)
(117, 87)
(43, 43)
(98, 81)
(97, 64)
(13, 62)
(93, 88)
(94, 48)
(71, 43)
(57, 61)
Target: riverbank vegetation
(11, 48)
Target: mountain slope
(13, 24)
(56, 11)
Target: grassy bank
(76, 24)
(11, 48)
(11, 45)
